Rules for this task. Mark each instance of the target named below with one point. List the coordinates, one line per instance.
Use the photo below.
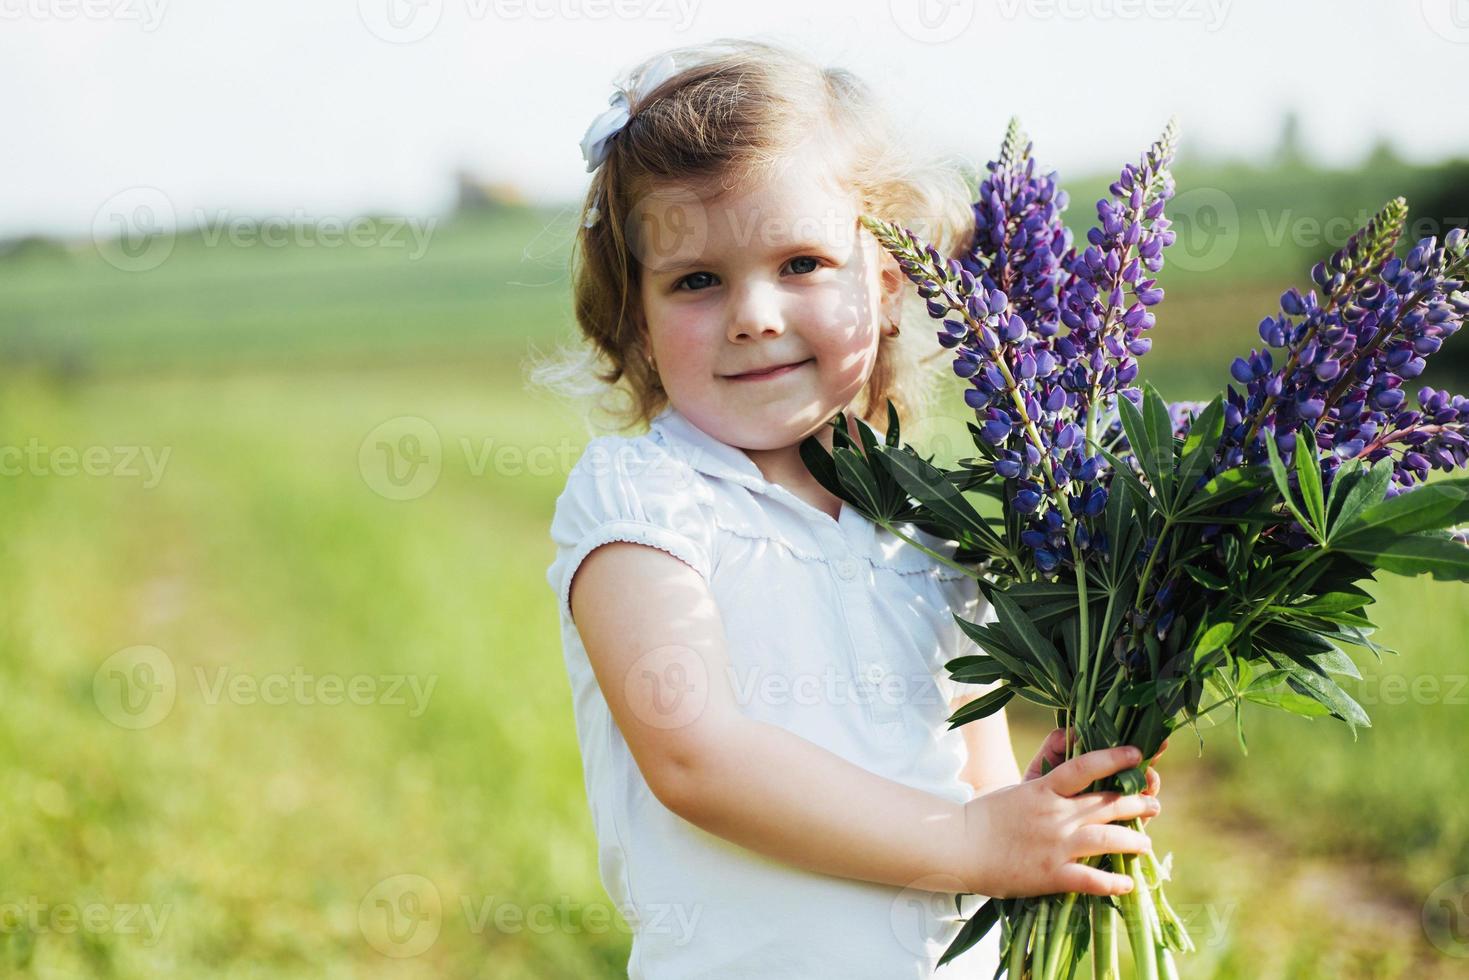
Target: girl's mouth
(772, 373)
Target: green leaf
(987, 638)
(1292, 639)
(1282, 482)
(859, 482)
(1036, 696)
(1431, 507)
(1311, 681)
(1207, 579)
(1226, 486)
(1027, 594)
(1139, 441)
(1347, 474)
(1214, 638)
(1335, 661)
(1198, 449)
(1331, 602)
(976, 670)
(1326, 691)
(892, 433)
(1160, 435)
(1366, 489)
(1041, 651)
(1308, 478)
(1413, 554)
(821, 465)
(975, 929)
(1290, 701)
(981, 707)
(931, 488)
(1120, 468)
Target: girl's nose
(756, 313)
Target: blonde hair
(729, 114)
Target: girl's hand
(1053, 752)
(1025, 839)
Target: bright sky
(327, 108)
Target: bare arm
(656, 643)
(991, 757)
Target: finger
(1111, 806)
(1074, 776)
(1055, 743)
(1126, 808)
(1160, 751)
(1108, 838)
(1055, 746)
(1155, 782)
(1050, 755)
(1091, 881)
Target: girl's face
(782, 274)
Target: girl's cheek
(847, 322)
(684, 330)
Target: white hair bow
(594, 145)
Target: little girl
(758, 670)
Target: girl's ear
(891, 281)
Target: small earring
(892, 330)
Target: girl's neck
(784, 467)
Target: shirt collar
(708, 455)
(705, 453)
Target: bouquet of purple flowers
(1152, 564)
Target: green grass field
(249, 819)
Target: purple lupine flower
(1349, 356)
(1104, 342)
(1020, 240)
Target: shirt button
(873, 673)
(847, 568)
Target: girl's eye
(816, 264)
(693, 277)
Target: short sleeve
(625, 489)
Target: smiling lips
(771, 373)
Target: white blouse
(837, 631)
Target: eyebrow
(795, 248)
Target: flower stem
(1042, 935)
(1015, 970)
(1059, 934)
(1137, 920)
(1104, 941)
